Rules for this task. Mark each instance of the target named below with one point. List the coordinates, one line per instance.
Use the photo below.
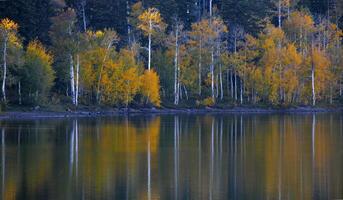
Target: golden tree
(8, 34)
(150, 23)
(150, 87)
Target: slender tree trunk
(279, 13)
(186, 92)
(19, 92)
(179, 90)
(176, 82)
(313, 84)
(221, 82)
(101, 68)
(3, 162)
(228, 81)
(217, 86)
(231, 83)
(128, 21)
(150, 29)
(200, 67)
(36, 96)
(212, 55)
(241, 92)
(72, 79)
(77, 80)
(203, 6)
(331, 96)
(83, 5)
(236, 94)
(4, 70)
(199, 10)
(340, 87)
(235, 75)
(212, 74)
(252, 95)
(288, 9)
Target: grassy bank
(59, 111)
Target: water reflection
(174, 157)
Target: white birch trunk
(176, 81)
(101, 68)
(221, 82)
(128, 21)
(3, 88)
(19, 92)
(186, 92)
(231, 83)
(234, 71)
(200, 67)
(313, 81)
(217, 86)
(83, 4)
(235, 75)
(212, 74)
(313, 85)
(227, 82)
(241, 92)
(77, 80)
(72, 79)
(150, 30)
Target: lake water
(174, 157)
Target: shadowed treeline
(174, 157)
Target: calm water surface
(174, 157)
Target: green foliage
(37, 74)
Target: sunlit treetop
(151, 21)
(35, 48)
(8, 29)
(105, 38)
(300, 20)
(8, 25)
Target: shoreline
(164, 111)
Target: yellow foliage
(274, 33)
(298, 27)
(150, 87)
(8, 30)
(208, 101)
(299, 21)
(218, 26)
(322, 71)
(119, 85)
(8, 25)
(150, 21)
(35, 48)
(91, 61)
(201, 30)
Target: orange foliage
(150, 87)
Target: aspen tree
(8, 31)
(150, 23)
